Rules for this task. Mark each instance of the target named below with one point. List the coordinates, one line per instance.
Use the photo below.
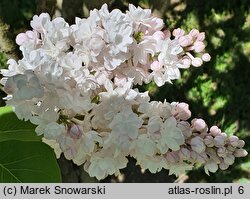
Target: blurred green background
(218, 92)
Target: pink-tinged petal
(206, 57)
(21, 39)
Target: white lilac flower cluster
(76, 83)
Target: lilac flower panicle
(77, 83)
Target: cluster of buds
(78, 85)
(214, 148)
(194, 41)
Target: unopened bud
(178, 32)
(230, 148)
(186, 61)
(185, 40)
(214, 131)
(198, 145)
(201, 36)
(241, 143)
(196, 62)
(166, 33)
(75, 131)
(206, 57)
(194, 33)
(240, 153)
(182, 111)
(199, 46)
(185, 128)
(233, 140)
(209, 141)
(221, 152)
(199, 125)
(21, 39)
(219, 141)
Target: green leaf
(27, 162)
(11, 128)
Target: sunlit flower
(77, 83)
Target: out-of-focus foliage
(219, 91)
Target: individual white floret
(126, 123)
(171, 135)
(105, 162)
(24, 86)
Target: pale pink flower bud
(167, 34)
(172, 157)
(185, 40)
(214, 131)
(201, 36)
(196, 62)
(219, 141)
(21, 39)
(229, 159)
(206, 57)
(230, 148)
(194, 33)
(199, 46)
(240, 153)
(75, 131)
(209, 141)
(221, 152)
(198, 145)
(199, 125)
(182, 111)
(223, 166)
(241, 143)
(155, 66)
(186, 61)
(184, 154)
(178, 32)
(185, 128)
(233, 140)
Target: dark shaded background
(219, 91)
